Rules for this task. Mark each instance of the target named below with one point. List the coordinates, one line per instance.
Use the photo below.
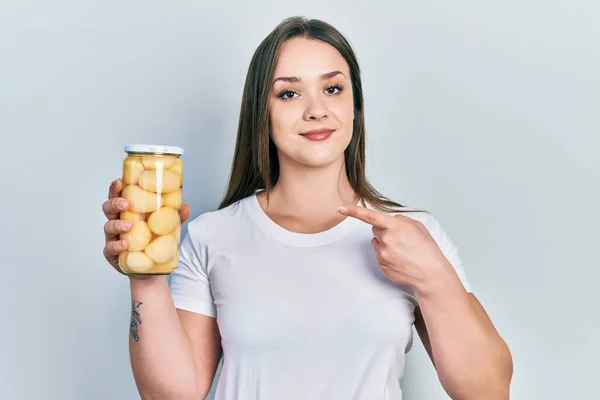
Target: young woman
(306, 279)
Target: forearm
(471, 359)
(160, 354)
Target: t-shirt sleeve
(190, 285)
(448, 248)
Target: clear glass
(152, 183)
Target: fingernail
(342, 210)
(123, 204)
(122, 244)
(126, 224)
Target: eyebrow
(295, 79)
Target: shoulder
(440, 235)
(217, 223)
(429, 220)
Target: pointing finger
(372, 217)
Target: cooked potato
(172, 199)
(154, 181)
(162, 249)
(135, 262)
(158, 162)
(145, 216)
(163, 221)
(178, 167)
(132, 168)
(138, 236)
(123, 261)
(131, 216)
(140, 200)
(167, 267)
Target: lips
(317, 134)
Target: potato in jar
(140, 200)
(167, 267)
(132, 168)
(131, 216)
(158, 162)
(173, 199)
(138, 236)
(157, 182)
(162, 249)
(135, 262)
(163, 221)
(178, 167)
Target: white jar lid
(153, 148)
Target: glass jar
(152, 183)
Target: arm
(205, 342)
(173, 353)
(471, 359)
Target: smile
(318, 135)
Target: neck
(315, 190)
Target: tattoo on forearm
(135, 320)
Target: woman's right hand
(114, 226)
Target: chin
(315, 154)
(316, 160)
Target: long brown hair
(255, 163)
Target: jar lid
(153, 148)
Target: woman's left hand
(406, 252)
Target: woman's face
(311, 91)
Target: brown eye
(286, 95)
(334, 89)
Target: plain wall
(486, 113)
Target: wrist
(147, 281)
(444, 283)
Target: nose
(315, 109)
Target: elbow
(502, 371)
(490, 390)
(187, 393)
(490, 381)
(169, 396)
(481, 390)
(203, 392)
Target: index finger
(112, 208)
(369, 216)
(114, 190)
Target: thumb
(184, 212)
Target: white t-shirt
(301, 316)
